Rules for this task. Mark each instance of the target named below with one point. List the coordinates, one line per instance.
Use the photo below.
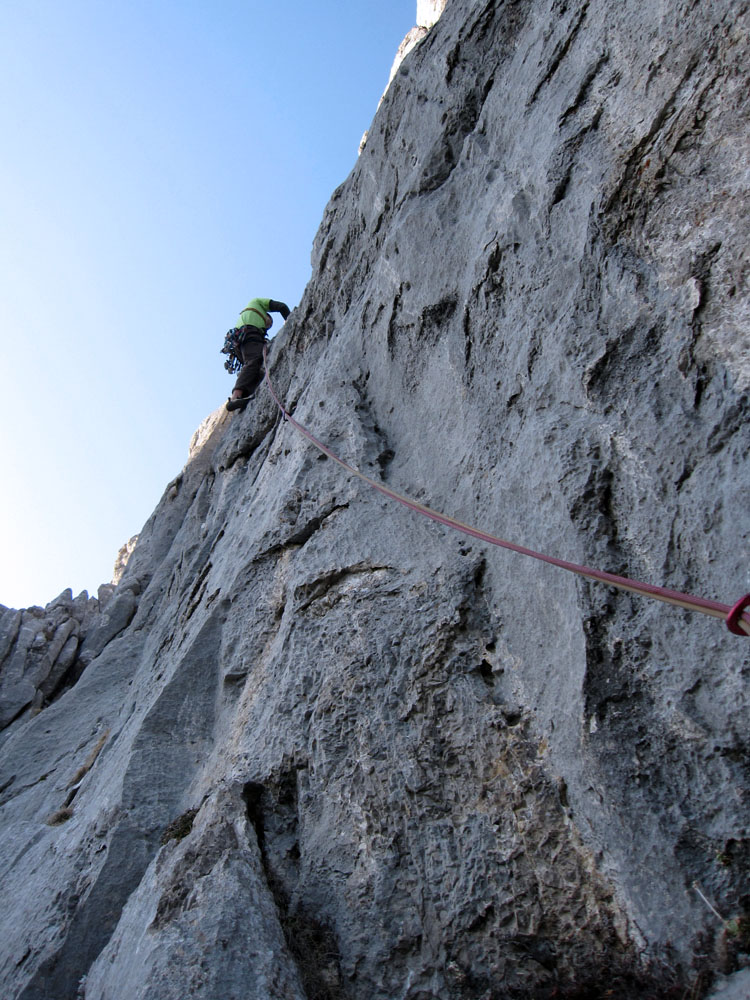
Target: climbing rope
(737, 622)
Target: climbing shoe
(238, 404)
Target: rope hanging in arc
(733, 615)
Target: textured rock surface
(428, 14)
(122, 559)
(38, 650)
(320, 747)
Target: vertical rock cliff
(312, 745)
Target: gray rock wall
(322, 747)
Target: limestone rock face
(122, 559)
(38, 648)
(414, 35)
(317, 746)
(428, 14)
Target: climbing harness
(736, 621)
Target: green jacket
(248, 317)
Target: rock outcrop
(40, 650)
(121, 561)
(322, 747)
(428, 14)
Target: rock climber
(249, 338)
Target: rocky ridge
(313, 746)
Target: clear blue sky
(163, 161)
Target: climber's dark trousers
(250, 375)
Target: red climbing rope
(736, 621)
